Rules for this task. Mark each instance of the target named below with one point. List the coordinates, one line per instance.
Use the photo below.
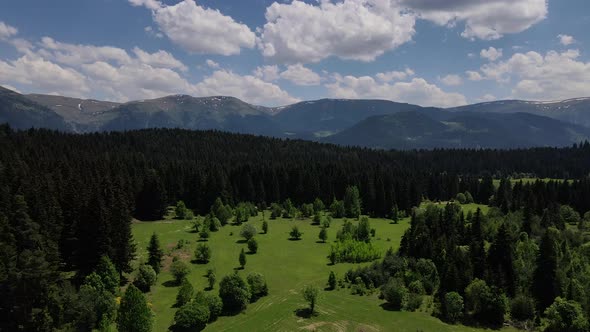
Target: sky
(440, 53)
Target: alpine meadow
(296, 165)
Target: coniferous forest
(67, 203)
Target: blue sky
(428, 52)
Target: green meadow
(288, 266)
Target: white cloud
(300, 75)
(486, 98)
(473, 75)
(7, 31)
(72, 54)
(160, 59)
(554, 75)
(248, 88)
(566, 40)
(471, 55)
(267, 73)
(212, 64)
(452, 80)
(350, 29)
(417, 91)
(395, 75)
(43, 75)
(483, 19)
(199, 30)
(492, 54)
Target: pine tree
(242, 258)
(134, 313)
(155, 253)
(352, 202)
(545, 283)
(477, 246)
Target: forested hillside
(67, 200)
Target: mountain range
(368, 123)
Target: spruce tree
(134, 313)
(155, 253)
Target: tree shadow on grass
(170, 283)
(304, 313)
(389, 307)
(241, 241)
(320, 241)
(294, 239)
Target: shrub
(185, 293)
(179, 270)
(234, 293)
(258, 286)
(522, 308)
(332, 281)
(351, 251)
(416, 287)
(414, 302)
(395, 293)
(265, 227)
(146, 278)
(453, 307)
(248, 231)
(295, 233)
(253, 245)
(192, 316)
(202, 253)
(564, 315)
(211, 301)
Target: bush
(248, 231)
(253, 245)
(234, 293)
(146, 278)
(185, 293)
(332, 281)
(211, 301)
(416, 287)
(395, 293)
(453, 307)
(211, 278)
(461, 198)
(192, 316)
(275, 211)
(522, 308)
(202, 253)
(564, 315)
(351, 251)
(258, 286)
(265, 227)
(295, 233)
(179, 270)
(323, 236)
(414, 302)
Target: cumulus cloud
(417, 91)
(43, 75)
(473, 75)
(300, 75)
(395, 75)
(486, 98)
(198, 29)
(249, 88)
(7, 31)
(492, 54)
(267, 73)
(72, 54)
(483, 19)
(160, 59)
(299, 32)
(554, 75)
(566, 40)
(452, 80)
(212, 64)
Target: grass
(287, 266)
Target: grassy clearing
(287, 266)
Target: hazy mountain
(182, 111)
(417, 129)
(576, 111)
(371, 123)
(320, 118)
(23, 113)
(82, 114)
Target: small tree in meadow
(211, 278)
(202, 253)
(181, 210)
(248, 231)
(332, 281)
(265, 227)
(179, 270)
(323, 234)
(204, 233)
(146, 278)
(295, 233)
(453, 306)
(155, 253)
(234, 292)
(253, 245)
(311, 294)
(192, 316)
(185, 292)
(242, 258)
(134, 312)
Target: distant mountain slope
(313, 119)
(23, 113)
(181, 111)
(82, 114)
(411, 130)
(576, 111)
